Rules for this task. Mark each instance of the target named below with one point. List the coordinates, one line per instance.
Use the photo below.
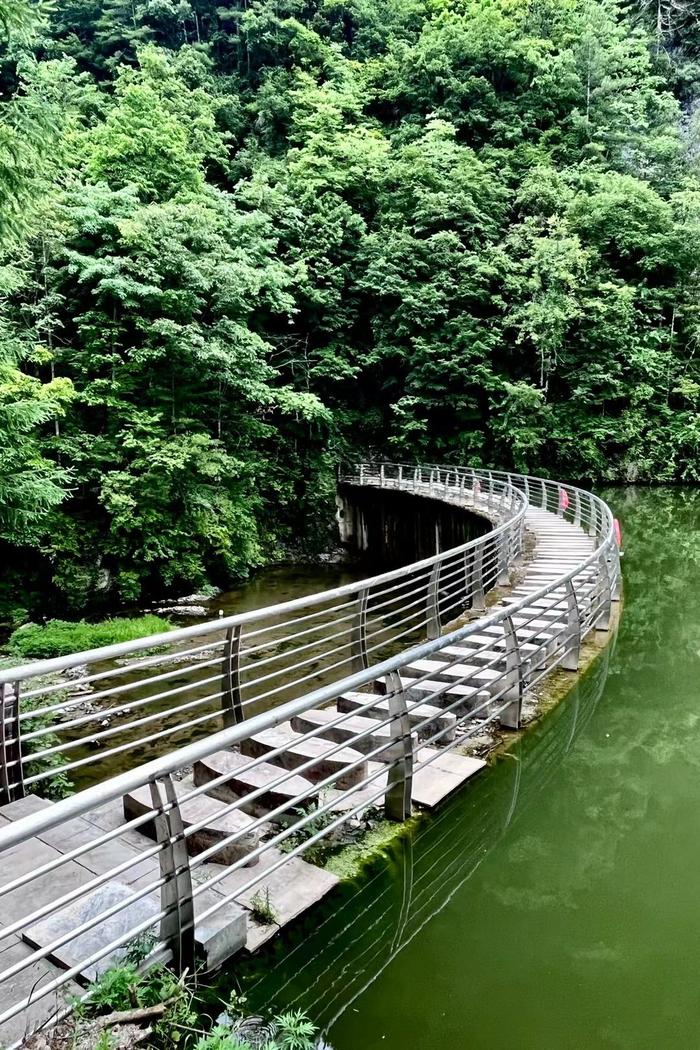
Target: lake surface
(555, 905)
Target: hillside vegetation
(243, 241)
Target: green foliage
(295, 1031)
(115, 989)
(262, 910)
(239, 244)
(58, 784)
(123, 987)
(288, 1031)
(221, 1039)
(62, 637)
(105, 1041)
(315, 853)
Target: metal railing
(426, 699)
(122, 703)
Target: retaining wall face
(393, 528)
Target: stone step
(435, 717)
(298, 750)
(242, 781)
(474, 654)
(479, 677)
(544, 614)
(373, 736)
(532, 633)
(496, 656)
(525, 618)
(419, 688)
(219, 825)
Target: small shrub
(221, 1038)
(294, 1031)
(63, 637)
(316, 853)
(262, 910)
(115, 989)
(137, 950)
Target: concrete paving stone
(29, 982)
(223, 933)
(24, 858)
(45, 889)
(111, 816)
(106, 858)
(80, 830)
(80, 948)
(294, 887)
(445, 774)
(23, 807)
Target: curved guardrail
(123, 701)
(406, 723)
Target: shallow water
(554, 905)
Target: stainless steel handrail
(251, 660)
(487, 668)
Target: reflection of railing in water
(332, 955)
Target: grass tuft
(63, 637)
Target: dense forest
(242, 242)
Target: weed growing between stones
(262, 910)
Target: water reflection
(335, 954)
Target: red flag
(563, 499)
(617, 532)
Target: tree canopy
(239, 243)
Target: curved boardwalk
(332, 706)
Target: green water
(556, 903)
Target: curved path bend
(332, 705)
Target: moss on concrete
(350, 861)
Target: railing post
(397, 801)
(400, 481)
(617, 577)
(544, 495)
(560, 506)
(362, 473)
(511, 715)
(231, 702)
(593, 523)
(11, 770)
(381, 476)
(177, 924)
(526, 487)
(577, 507)
(572, 638)
(477, 581)
(432, 608)
(517, 545)
(503, 574)
(603, 620)
(415, 479)
(359, 634)
(490, 495)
